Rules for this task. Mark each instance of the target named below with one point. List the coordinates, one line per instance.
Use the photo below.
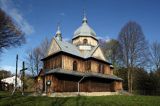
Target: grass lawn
(18, 100)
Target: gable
(98, 54)
(54, 47)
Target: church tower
(85, 37)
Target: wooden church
(79, 66)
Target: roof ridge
(95, 49)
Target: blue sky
(39, 18)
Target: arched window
(74, 65)
(85, 41)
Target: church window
(85, 41)
(101, 68)
(74, 65)
(88, 65)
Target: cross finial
(58, 26)
(84, 13)
(58, 33)
(84, 16)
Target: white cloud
(109, 39)
(105, 38)
(8, 7)
(8, 68)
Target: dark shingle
(87, 74)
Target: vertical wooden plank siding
(53, 62)
(69, 83)
(95, 67)
(116, 85)
(68, 63)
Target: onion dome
(84, 30)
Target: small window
(85, 41)
(88, 65)
(74, 66)
(101, 68)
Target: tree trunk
(131, 88)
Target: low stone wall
(98, 93)
(72, 94)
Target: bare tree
(10, 34)
(44, 47)
(30, 62)
(112, 52)
(37, 59)
(155, 54)
(35, 55)
(134, 48)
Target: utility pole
(16, 75)
(16, 71)
(22, 76)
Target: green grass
(18, 100)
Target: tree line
(135, 60)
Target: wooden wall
(53, 62)
(116, 85)
(107, 69)
(111, 71)
(63, 83)
(95, 67)
(68, 63)
(95, 85)
(50, 89)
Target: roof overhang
(88, 58)
(82, 74)
(84, 36)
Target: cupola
(85, 36)
(58, 35)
